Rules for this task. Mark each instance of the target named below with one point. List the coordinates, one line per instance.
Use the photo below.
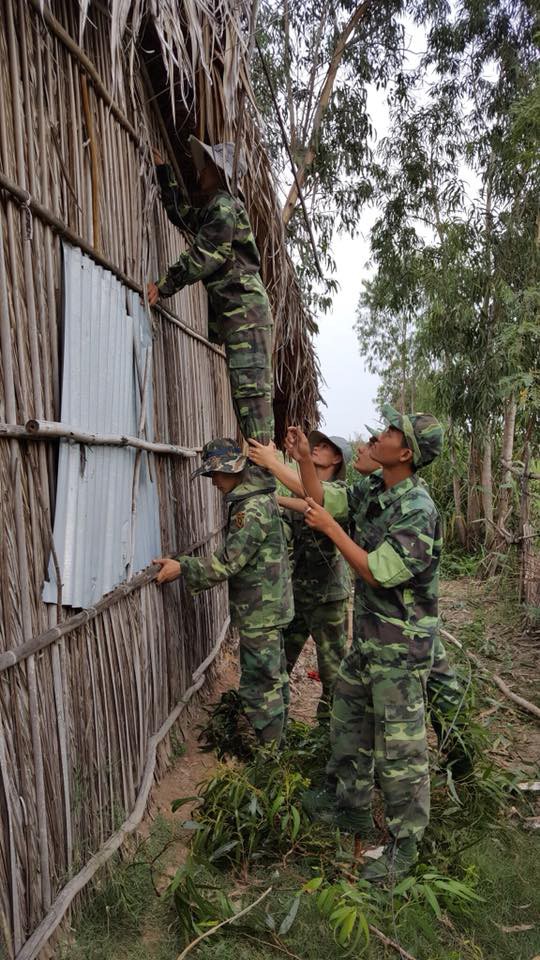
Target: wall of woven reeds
(77, 714)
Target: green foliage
(349, 909)
(251, 814)
(455, 562)
(199, 904)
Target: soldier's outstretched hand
(296, 444)
(317, 517)
(153, 293)
(263, 455)
(170, 569)
(156, 157)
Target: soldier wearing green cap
(320, 576)
(224, 256)
(254, 560)
(378, 714)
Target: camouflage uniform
(321, 585)
(443, 691)
(254, 559)
(378, 715)
(224, 255)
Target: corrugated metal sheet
(106, 337)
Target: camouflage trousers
(444, 692)
(378, 721)
(246, 334)
(327, 624)
(264, 682)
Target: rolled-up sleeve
(335, 501)
(406, 550)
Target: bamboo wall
(77, 714)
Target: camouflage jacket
(254, 559)
(223, 253)
(401, 530)
(319, 572)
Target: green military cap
(422, 431)
(222, 154)
(340, 443)
(220, 456)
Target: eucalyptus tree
(457, 177)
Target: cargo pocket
(404, 731)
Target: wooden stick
(53, 918)
(47, 429)
(390, 943)
(208, 933)
(96, 231)
(494, 677)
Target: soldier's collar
(247, 489)
(394, 493)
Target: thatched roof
(196, 55)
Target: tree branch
(322, 105)
(208, 933)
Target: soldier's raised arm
(176, 203)
(297, 446)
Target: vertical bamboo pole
(24, 572)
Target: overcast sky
(349, 391)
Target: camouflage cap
(222, 154)
(340, 443)
(220, 456)
(422, 431)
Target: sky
(349, 390)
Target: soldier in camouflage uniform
(378, 715)
(443, 690)
(320, 576)
(224, 255)
(254, 560)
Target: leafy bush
(252, 813)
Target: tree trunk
(525, 530)
(474, 512)
(505, 499)
(487, 493)
(460, 521)
(500, 540)
(322, 105)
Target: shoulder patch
(240, 519)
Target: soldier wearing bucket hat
(254, 560)
(224, 256)
(320, 576)
(378, 717)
